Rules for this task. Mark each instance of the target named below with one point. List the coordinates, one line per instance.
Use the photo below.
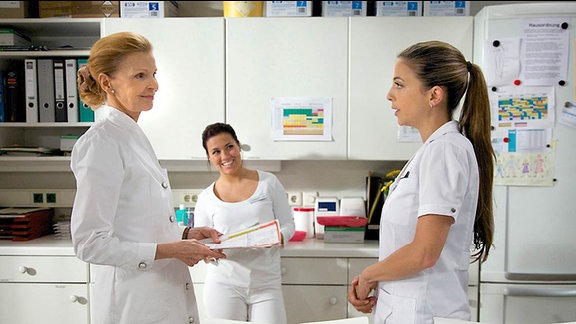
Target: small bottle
(190, 217)
(181, 215)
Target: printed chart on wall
(301, 119)
(522, 74)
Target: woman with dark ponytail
(440, 205)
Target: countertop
(313, 248)
(45, 245)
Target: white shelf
(51, 53)
(51, 125)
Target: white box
(399, 8)
(10, 37)
(446, 8)
(288, 8)
(67, 142)
(344, 8)
(340, 234)
(148, 9)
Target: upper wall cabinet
(374, 44)
(190, 60)
(292, 58)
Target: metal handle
(333, 300)
(540, 292)
(541, 276)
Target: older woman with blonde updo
(123, 220)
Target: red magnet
(505, 139)
(517, 82)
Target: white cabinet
(43, 289)
(314, 288)
(356, 265)
(189, 56)
(198, 272)
(286, 58)
(65, 38)
(374, 44)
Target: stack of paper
(62, 230)
(261, 235)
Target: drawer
(24, 303)
(315, 271)
(315, 303)
(43, 269)
(357, 265)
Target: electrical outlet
(51, 198)
(188, 197)
(295, 198)
(309, 198)
(38, 198)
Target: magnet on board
(517, 82)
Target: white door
(527, 303)
(189, 55)
(374, 45)
(286, 58)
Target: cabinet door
(189, 55)
(286, 58)
(374, 45)
(24, 303)
(314, 303)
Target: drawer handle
(24, 269)
(333, 300)
(78, 299)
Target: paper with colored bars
(262, 235)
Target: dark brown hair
(215, 129)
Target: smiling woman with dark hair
(247, 284)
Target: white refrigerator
(530, 276)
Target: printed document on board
(262, 235)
